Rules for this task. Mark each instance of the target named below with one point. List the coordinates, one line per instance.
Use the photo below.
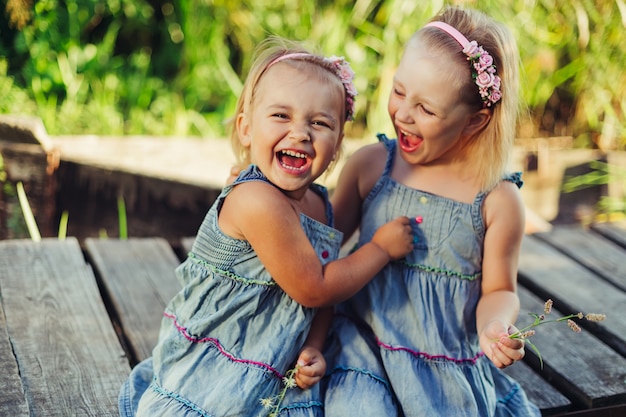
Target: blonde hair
(492, 147)
(266, 55)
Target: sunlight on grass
(121, 214)
(31, 223)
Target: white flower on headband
(485, 73)
(346, 75)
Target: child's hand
(311, 367)
(395, 237)
(499, 348)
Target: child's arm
(499, 304)
(262, 215)
(356, 180)
(311, 362)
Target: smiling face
(294, 126)
(431, 122)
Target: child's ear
(243, 129)
(477, 122)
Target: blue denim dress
(407, 345)
(230, 335)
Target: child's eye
(280, 115)
(398, 92)
(320, 123)
(428, 112)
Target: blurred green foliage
(175, 67)
(611, 206)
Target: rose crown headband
(483, 68)
(342, 70)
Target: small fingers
(307, 376)
(502, 355)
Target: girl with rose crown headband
(428, 336)
(263, 267)
(297, 56)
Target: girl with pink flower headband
(263, 267)
(428, 336)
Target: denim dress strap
(391, 151)
(515, 178)
(477, 216)
(251, 173)
(323, 192)
(383, 179)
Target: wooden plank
(34, 168)
(12, 400)
(539, 391)
(615, 231)
(68, 356)
(585, 369)
(138, 279)
(28, 156)
(614, 411)
(154, 206)
(592, 250)
(549, 273)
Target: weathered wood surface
(616, 232)
(60, 354)
(581, 270)
(137, 280)
(593, 250)
(579, 365)
(62, 343)
(549, 273)
(13, 401)
(27, 156)
(542, 393)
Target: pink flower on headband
(484, 73)
(471, 50)
(484, 80)
(346, 75)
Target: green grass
(122, 67)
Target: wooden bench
(73, 321)
(59, 353)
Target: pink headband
(294, 55)
(342, 70)
(483, 69)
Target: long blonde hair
(492, 148)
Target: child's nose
(403, 113)
(300, 133)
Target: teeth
(294, 154)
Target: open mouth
(409, 142)
(293, 160)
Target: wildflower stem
(526, 332)
(538, 321)
(289, 381)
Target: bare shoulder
(365, 166)
(250, 201)
(504, 205)
(368, 154)
(254, 195)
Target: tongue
(412, 140)
(293, 161)
(410, 143)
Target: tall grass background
(175, 68)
